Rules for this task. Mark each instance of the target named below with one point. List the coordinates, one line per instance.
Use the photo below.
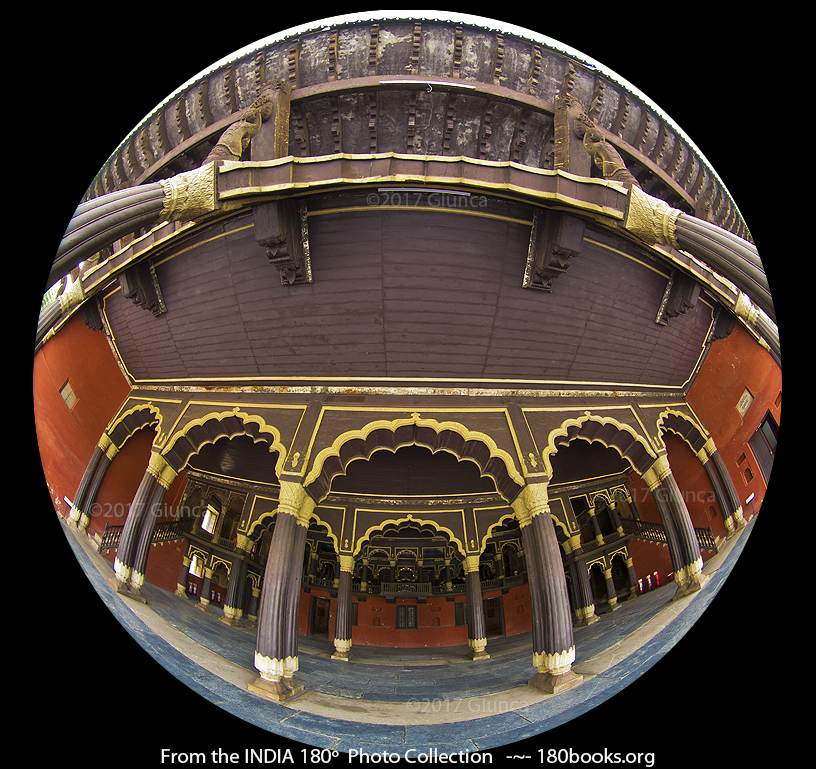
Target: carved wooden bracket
(680, 296)
(141, 286)
(556, 238)
(280, 228)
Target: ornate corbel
(280, 228)
(556, 239)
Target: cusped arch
(265, 518)
(214, 426)
(605, 430)
(133, 420)
(449, 436)
(421, 523)
(683, 425)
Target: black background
(90, 692)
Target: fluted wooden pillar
(85, 500)
(723, 486)
(682, 540)
(342, 625)
(276, 645)
(234, 600)
(164, 475)
(584, 605)
(129, 537)
(184, 573)
(553, 643)
(477, 633)
(84, 485)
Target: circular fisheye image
(407, 385)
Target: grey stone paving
(448, 702)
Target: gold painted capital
(532, 501)
(471, 563)
(72, 296)
(161, 470)
(244, 542)
(346, 563)
(572, 544)
(659, 470)
(294, 500)
(104, 442)
(189, 195)
(651, 219)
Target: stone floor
(396, 700)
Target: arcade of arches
(399, 528)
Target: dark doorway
(493, 616)
(320, 616)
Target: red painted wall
(67, 438)
(732, 365)
(516, 606)
(436, 620)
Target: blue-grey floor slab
(435, 681)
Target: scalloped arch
(271, 515)
(692, 432)
(632, 447)
(131, 421)
(409, 518)
(222, 424)
(449, 436)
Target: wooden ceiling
(403, 296)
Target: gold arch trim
(408, 518)
(140, 407)
(578, 422)
(272, 513)
(511, 516)
(685, 417)
(246, 418)
(414, 419)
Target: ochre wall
(436, 619)
(732, 365)
(67, 438)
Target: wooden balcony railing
(655, 532)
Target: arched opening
(408, 583)
(456, 440)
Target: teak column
(276, 646)
(477, 634)
(165, 475)
(682, 540)
(148, 497)
(234, 600)
(553, 644)
(91, 482)
(723, 486)
(342, 630)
